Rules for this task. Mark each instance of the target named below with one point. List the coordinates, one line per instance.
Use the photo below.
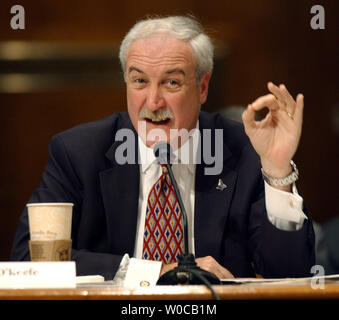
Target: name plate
(27, 275)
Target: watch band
(275, 182)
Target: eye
(139, 80)
(172, 83)
(139, 83)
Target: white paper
(142, 272)
(27, 275)
(89, 279)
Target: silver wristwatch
(275, 182)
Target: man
(239, 225)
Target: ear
(203, 86)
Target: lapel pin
(221, 186)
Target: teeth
(157, 120)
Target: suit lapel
(211, 210)
(120, 191)
(212, 205)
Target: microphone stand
(187, 271)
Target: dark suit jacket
(230, 225)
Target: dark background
(64, 71)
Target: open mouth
(157, 122)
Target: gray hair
(183, 28)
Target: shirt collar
(147, 157)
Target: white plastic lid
(44, 204)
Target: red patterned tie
(163, 235)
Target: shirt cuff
(142, 273)
(284, 205)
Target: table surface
(228, 292)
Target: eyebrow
(171, 71)
(132, 68)
(176, 70)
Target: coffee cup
(50, 227)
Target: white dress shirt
(284, 210)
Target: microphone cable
(163, 152)
(207, 283)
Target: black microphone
(187, 271)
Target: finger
(227, 274)
(277, 93)
(248, 116)
(211, 265)
(298, 115)
(248, 120)
(268, 101)
(285, 100)
(288, 98)
(286, 94)
(267, 120)
(221, 272)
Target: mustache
(157, 115)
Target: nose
(155, 98)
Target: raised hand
(276, 137)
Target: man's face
(161, 75)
